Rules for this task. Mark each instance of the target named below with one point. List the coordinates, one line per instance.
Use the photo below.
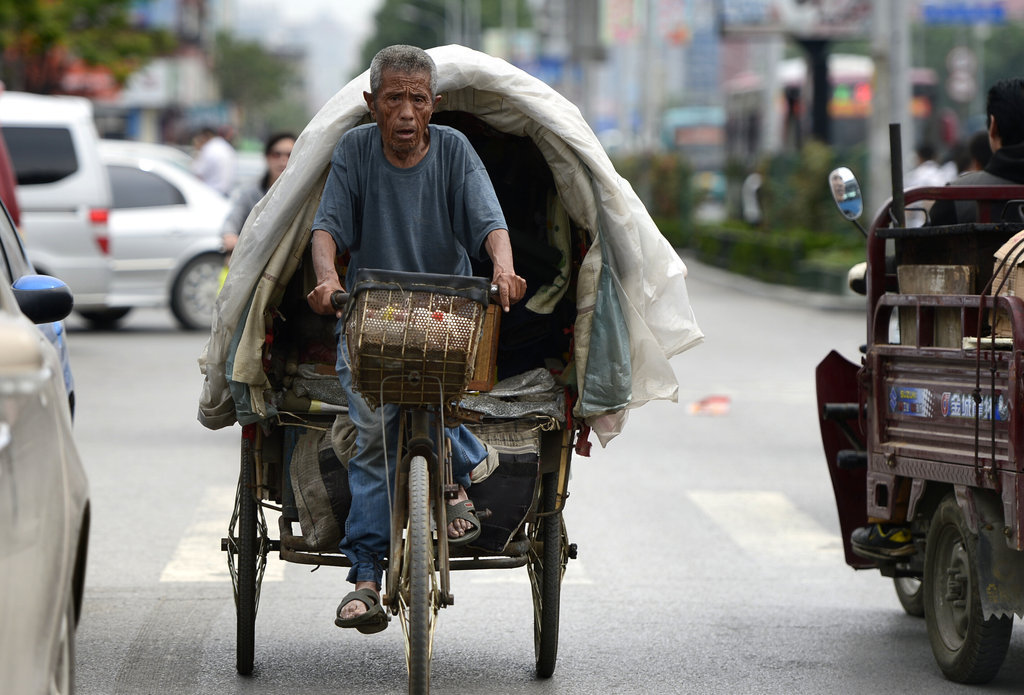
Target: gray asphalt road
(709, 560)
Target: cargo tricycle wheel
(908, 591)
(548, 557)
(967, 647)
(246, 569)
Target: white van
(64, 194)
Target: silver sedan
(165, 233)
(44, 502)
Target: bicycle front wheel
(418, 581)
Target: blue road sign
(964, 13)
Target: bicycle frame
(415, 440)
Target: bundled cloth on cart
(532, 394)
(632, 307)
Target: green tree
(256, 82)
(422, 23)
(39, 39)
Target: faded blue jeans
(368, 527)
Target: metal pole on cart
(896, 148)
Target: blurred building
(172, 96)
(163, 101)
(645, 73)
(323, 50)
(768, 94)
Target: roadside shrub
(663, 181)
(801, 238)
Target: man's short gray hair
(406, 60)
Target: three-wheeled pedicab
(927, 433)
(586, 343)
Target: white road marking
(766, 525)
(198, 557)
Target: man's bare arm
(324, 250)
(511, 287)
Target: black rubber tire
(911, 595)
(195, 291)
(105, 319)
(420, 567)
(247, 563)
(967, 648)
(547, 569)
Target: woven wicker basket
(413, 339)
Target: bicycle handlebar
(339, 299)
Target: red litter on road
(712, 405)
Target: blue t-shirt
(428, 218)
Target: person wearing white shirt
(214, 162)
(928, 172)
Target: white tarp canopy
(633, 309)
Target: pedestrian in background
(980, 151)
(928, 172)
(276, 151)
(215, 160)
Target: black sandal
(464, 510)
(373, 620)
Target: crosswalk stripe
(198, 557)
(765, 524)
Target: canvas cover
(633, 309)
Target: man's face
(838, 187)
(402, 110)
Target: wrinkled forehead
(399, 80)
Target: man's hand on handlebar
(508, 288)
(320, 299)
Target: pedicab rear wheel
(417, 583)
(247, 564)
(967, 647)
(548, 557)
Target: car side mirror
(43, 299)
(846, 193)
